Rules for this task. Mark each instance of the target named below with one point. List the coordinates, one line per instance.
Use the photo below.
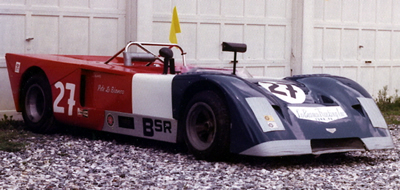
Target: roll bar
(141, 46)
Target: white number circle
(286, 92)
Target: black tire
(36, 103)
(207, 126)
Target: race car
(214, 111)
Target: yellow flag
(175, 27)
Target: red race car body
(215, 111)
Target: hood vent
(358, 107)
(278, 110)
(326, 100)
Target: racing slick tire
(36, 103)
(207, 126)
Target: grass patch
(389, 106)
(11, 134)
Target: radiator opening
(320, 146)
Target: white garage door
(264, 25)
(359, 40)
(51, 26)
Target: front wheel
(207, 126)
(37, 109)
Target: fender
(346, 81)
(245, 130)
(21, 67)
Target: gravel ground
(70, 161)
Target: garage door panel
(256, 71)
(277, 8)
(331, 47)
(161, 31)
(71, 43)
(350, 10)
(233, 33)
(209, 7)
(277, 71)
(319, 10)
(367, 41)
(12, 34)
(276, 42)
(384, 11)
(395, 80)
(75, 3)
(162, 7)
(368, 10)
(45, 34)
(332, 70)
(383, 38)
(47, 3)
(318, 45)
(104, 4)
(12, 2)
(185, 7)
(232, 8)
(396, 45)
(367, 78)
(255, 35)
(350, 72)
(208, 49)
(350, 45)
(317, 69)
(104, 36)
(381, 78)
(264, 25)
(190, 47)
(255, 8)
(58, 27)
(333, 10)
(396, 9)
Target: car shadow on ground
(324, 160)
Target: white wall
(264, 25)
(358, 39)
(95, 27)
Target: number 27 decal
(71, 102)
(286, 92)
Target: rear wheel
(207, 126)
(37, 109)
